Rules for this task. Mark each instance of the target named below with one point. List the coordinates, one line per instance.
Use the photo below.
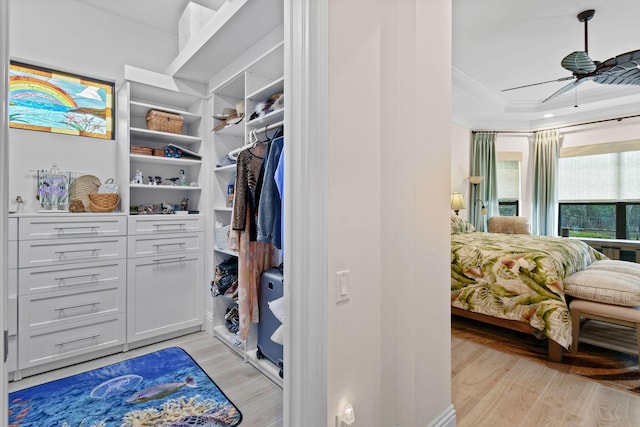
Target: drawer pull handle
(158, 245)
(63, 343)
(174, 225)
(91, 228)
(168, 260)
(78, 250)
(89, 304)
(94, 279)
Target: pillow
(509, 225)
(459, 225)
(277, 308)
(609, 282)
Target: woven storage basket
(164, 122)
(103, 202)
(136, 149)
(81, 188)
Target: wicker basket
(81, 188)
(103, 202)
(164, 122)
(136, 149)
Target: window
(508, 176)
(599, 190)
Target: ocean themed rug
(164, 388)
(609, 367)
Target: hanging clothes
(253, 257)
(269, 223)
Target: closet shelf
(265, 92)
(142, 158)
(231, 340)
(227, 168)
(226, 251)
(164, 187)
(157, 136)
(224, 36)
(267, 119)
(265, 366)
(140, 109)
(223, 209)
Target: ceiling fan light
(578, 62)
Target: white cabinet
(165, 276)
(71, 286)
(12, 294)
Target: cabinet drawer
(13, 228)
(12, 315)
(51, 344)
(58, 308)
(12, 290)
(158, 224)
(13, 254)
(34, 253)
(78, 225)
(71, 276)
(156, 245)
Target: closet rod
(269, 127)
(234, 153)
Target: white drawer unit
(155, 245)
(40, 346)
(159, 224)
(34, 253)
(63, 307)
(61, 226)
(71, 287)
(72, 276)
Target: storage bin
(164, 122)
(222, 237)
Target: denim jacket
(269, 219)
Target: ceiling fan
(623, 69)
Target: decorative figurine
(138, 179)
(173, 180)
(151, 181)
(184, 204)
(158, 180)
(167, 208)
(183, 177)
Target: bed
(516, 280)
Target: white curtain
(546, 151)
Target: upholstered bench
(608, 291)
(609, 313)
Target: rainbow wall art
(51, 101)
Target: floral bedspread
(518, 277)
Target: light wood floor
(489, 388)
(496, 389)
(257, 397)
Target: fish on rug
(164, 388)
(610, 367)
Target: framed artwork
(51, 101)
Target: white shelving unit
(253, 85)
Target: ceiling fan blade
(561, 79)
(565, 88)
(623, 69)
(578, 62)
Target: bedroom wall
(69, 36)
(461, 164)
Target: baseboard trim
(445, 419)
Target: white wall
(389, 115)
(461, 164)
(69, 36)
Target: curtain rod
(619, 119)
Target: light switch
(342, 286)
